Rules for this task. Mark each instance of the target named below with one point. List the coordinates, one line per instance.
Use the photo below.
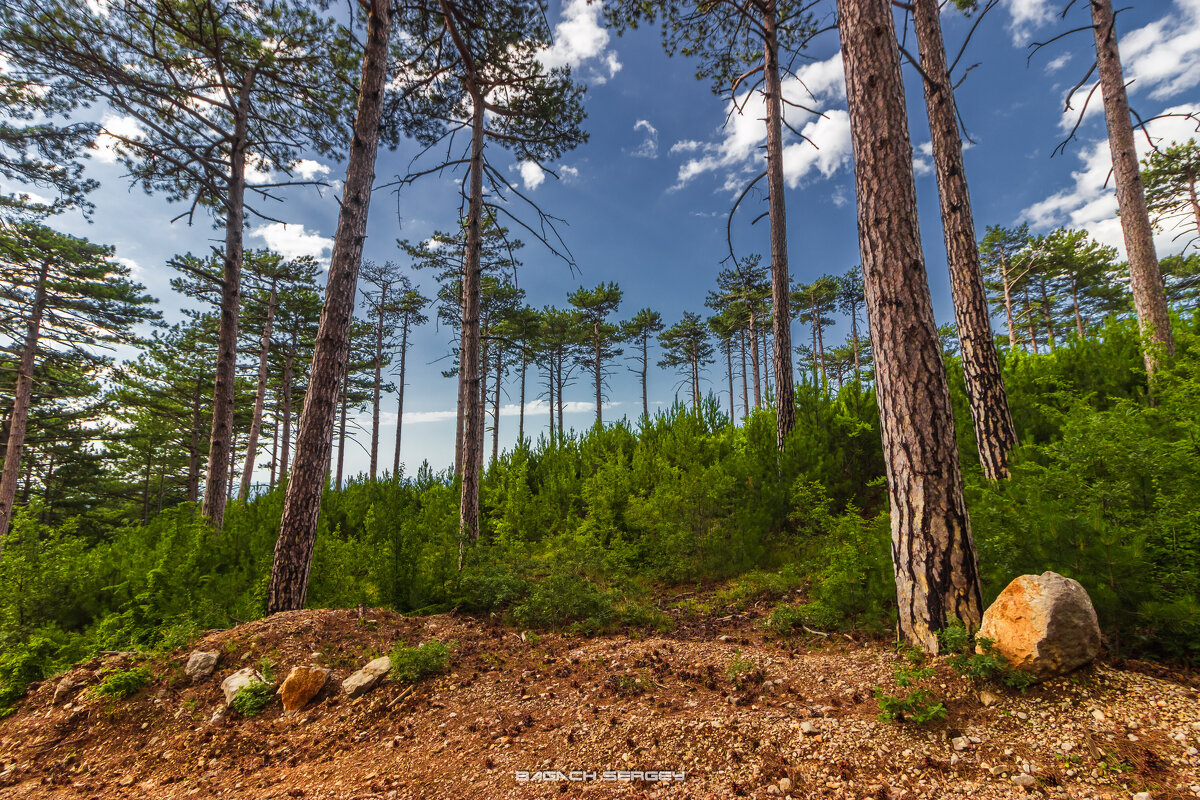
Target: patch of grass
(411, 664)
(759, 585)
(253, 698)
(917, 706)
(123, 684)
(743, 671)
(963, 657)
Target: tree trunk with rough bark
(995, 435)
(18, 418)
(785, 402)
(193, 475)
(260, 396)
(377, 384)
(345, 411)
(225, 374)
(400, 393)
(288, 369)
(937, 576)
(469, 366)
(302, 504)
(745, 387)
(754, 363)
(1145, 279)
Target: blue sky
(646, 198)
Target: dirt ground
(518, 716)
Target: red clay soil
(800, 720)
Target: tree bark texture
(995, 435)
(302, 503)
(934, 555)
(225, 374)
(18, 419)
(1145, 279)
(469, 366)
(785, 402)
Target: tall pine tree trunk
(302, 504)
(193, 474)
(288, 367)
(745, 389)
(596, 337)
(1046, 314)
(274, 449)
(995, 435)
(376, 387)
(225, 374)
(729, 367)
(469, 366)
(345, 411)
(854, 338)
(1008, 301)
(785, 403)
(645, 375)
(18, 419)
(496, 404)
(1149, 297)
(1029, 321)
(400, 399)
(260, 396)
(935, 564)
(521, 410)
(754, 362)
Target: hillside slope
(802, 712)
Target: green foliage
(742, 670)
(411, 664)
(975, 657)
(253, 698)
(565, 600)
(917, 707)
(123, 683)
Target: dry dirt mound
(802, 722)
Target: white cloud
(532, 409)
(1091, 203)
(532, 175)
(135, 269)
(738, 154)
(567, 172)
(1058, 63)
(1163, 58)
(308, 169)
(1027, 15)
(113, 128)
(581, 39)
(649, 146)
(292, 241)
(829, 150)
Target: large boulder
(368, 677)
(238, 681)
(1043, 624)
(301, 685)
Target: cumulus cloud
(1058, 63)
(532, 176)
(1091, 202)
(114, 128)
(308, 170)
(1162, 59)
(649, 146)
(923, 159)
(567, 172)
(293, 241)
(581, 43)
(738, 155)
(1027, 16)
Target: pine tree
(686, 347)
(61, 292)
(595, 307)
(1169, 175)
(409, 306)
(638, 331)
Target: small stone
(772, 789)
(368, 677)
(953, 759)
(63, 688)
(785, 785)
(808, 728)
(218, 715)
(201, 664)
(1098, 715)
(1024, 779)
(988, 699)
(238, 681)
(1142, 796)
(1021, 715)
(302, 685)
(960, 743)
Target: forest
(166, 474)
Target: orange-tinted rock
(301, 685)
(1043, 624)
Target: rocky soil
(801, 721)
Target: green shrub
(918, 706)
(564, 600)
(253, 698)
(124, 683)
(411, 664)
(963, 656)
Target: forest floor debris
(737, 710)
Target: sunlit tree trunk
(995, 435)
(1145, 279)
(302, 504)
(934, 555)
